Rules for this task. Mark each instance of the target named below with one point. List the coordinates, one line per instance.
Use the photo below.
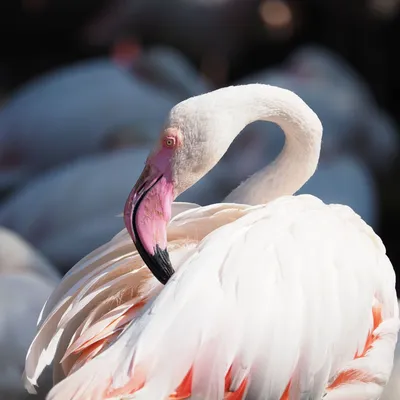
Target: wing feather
(76, 301)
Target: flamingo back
(290, 299)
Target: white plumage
(227, 288)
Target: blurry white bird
(73, 208)
(83, 108)
(69, 112)
(346, 180)
(26, 280)
(167, 69)
(343, 175)
(376, 138)
(329, 317)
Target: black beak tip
(162, 265)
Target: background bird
(26, 281)
(88, 108)
(347, 172)
(83, 199)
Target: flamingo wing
(95, 297)
(292, 300)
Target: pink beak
(146, 216)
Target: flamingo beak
(146, 216)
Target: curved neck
(299, 158)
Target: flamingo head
(196, 136)
(148, 207)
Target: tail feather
(358, 379)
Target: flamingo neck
(299, 158)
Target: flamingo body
(223, 284)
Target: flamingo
(268, 296)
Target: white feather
(273, 307)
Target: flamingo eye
(169, 142)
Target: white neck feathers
(224, 113)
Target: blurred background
(85, 86)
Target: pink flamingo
(281, 297)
